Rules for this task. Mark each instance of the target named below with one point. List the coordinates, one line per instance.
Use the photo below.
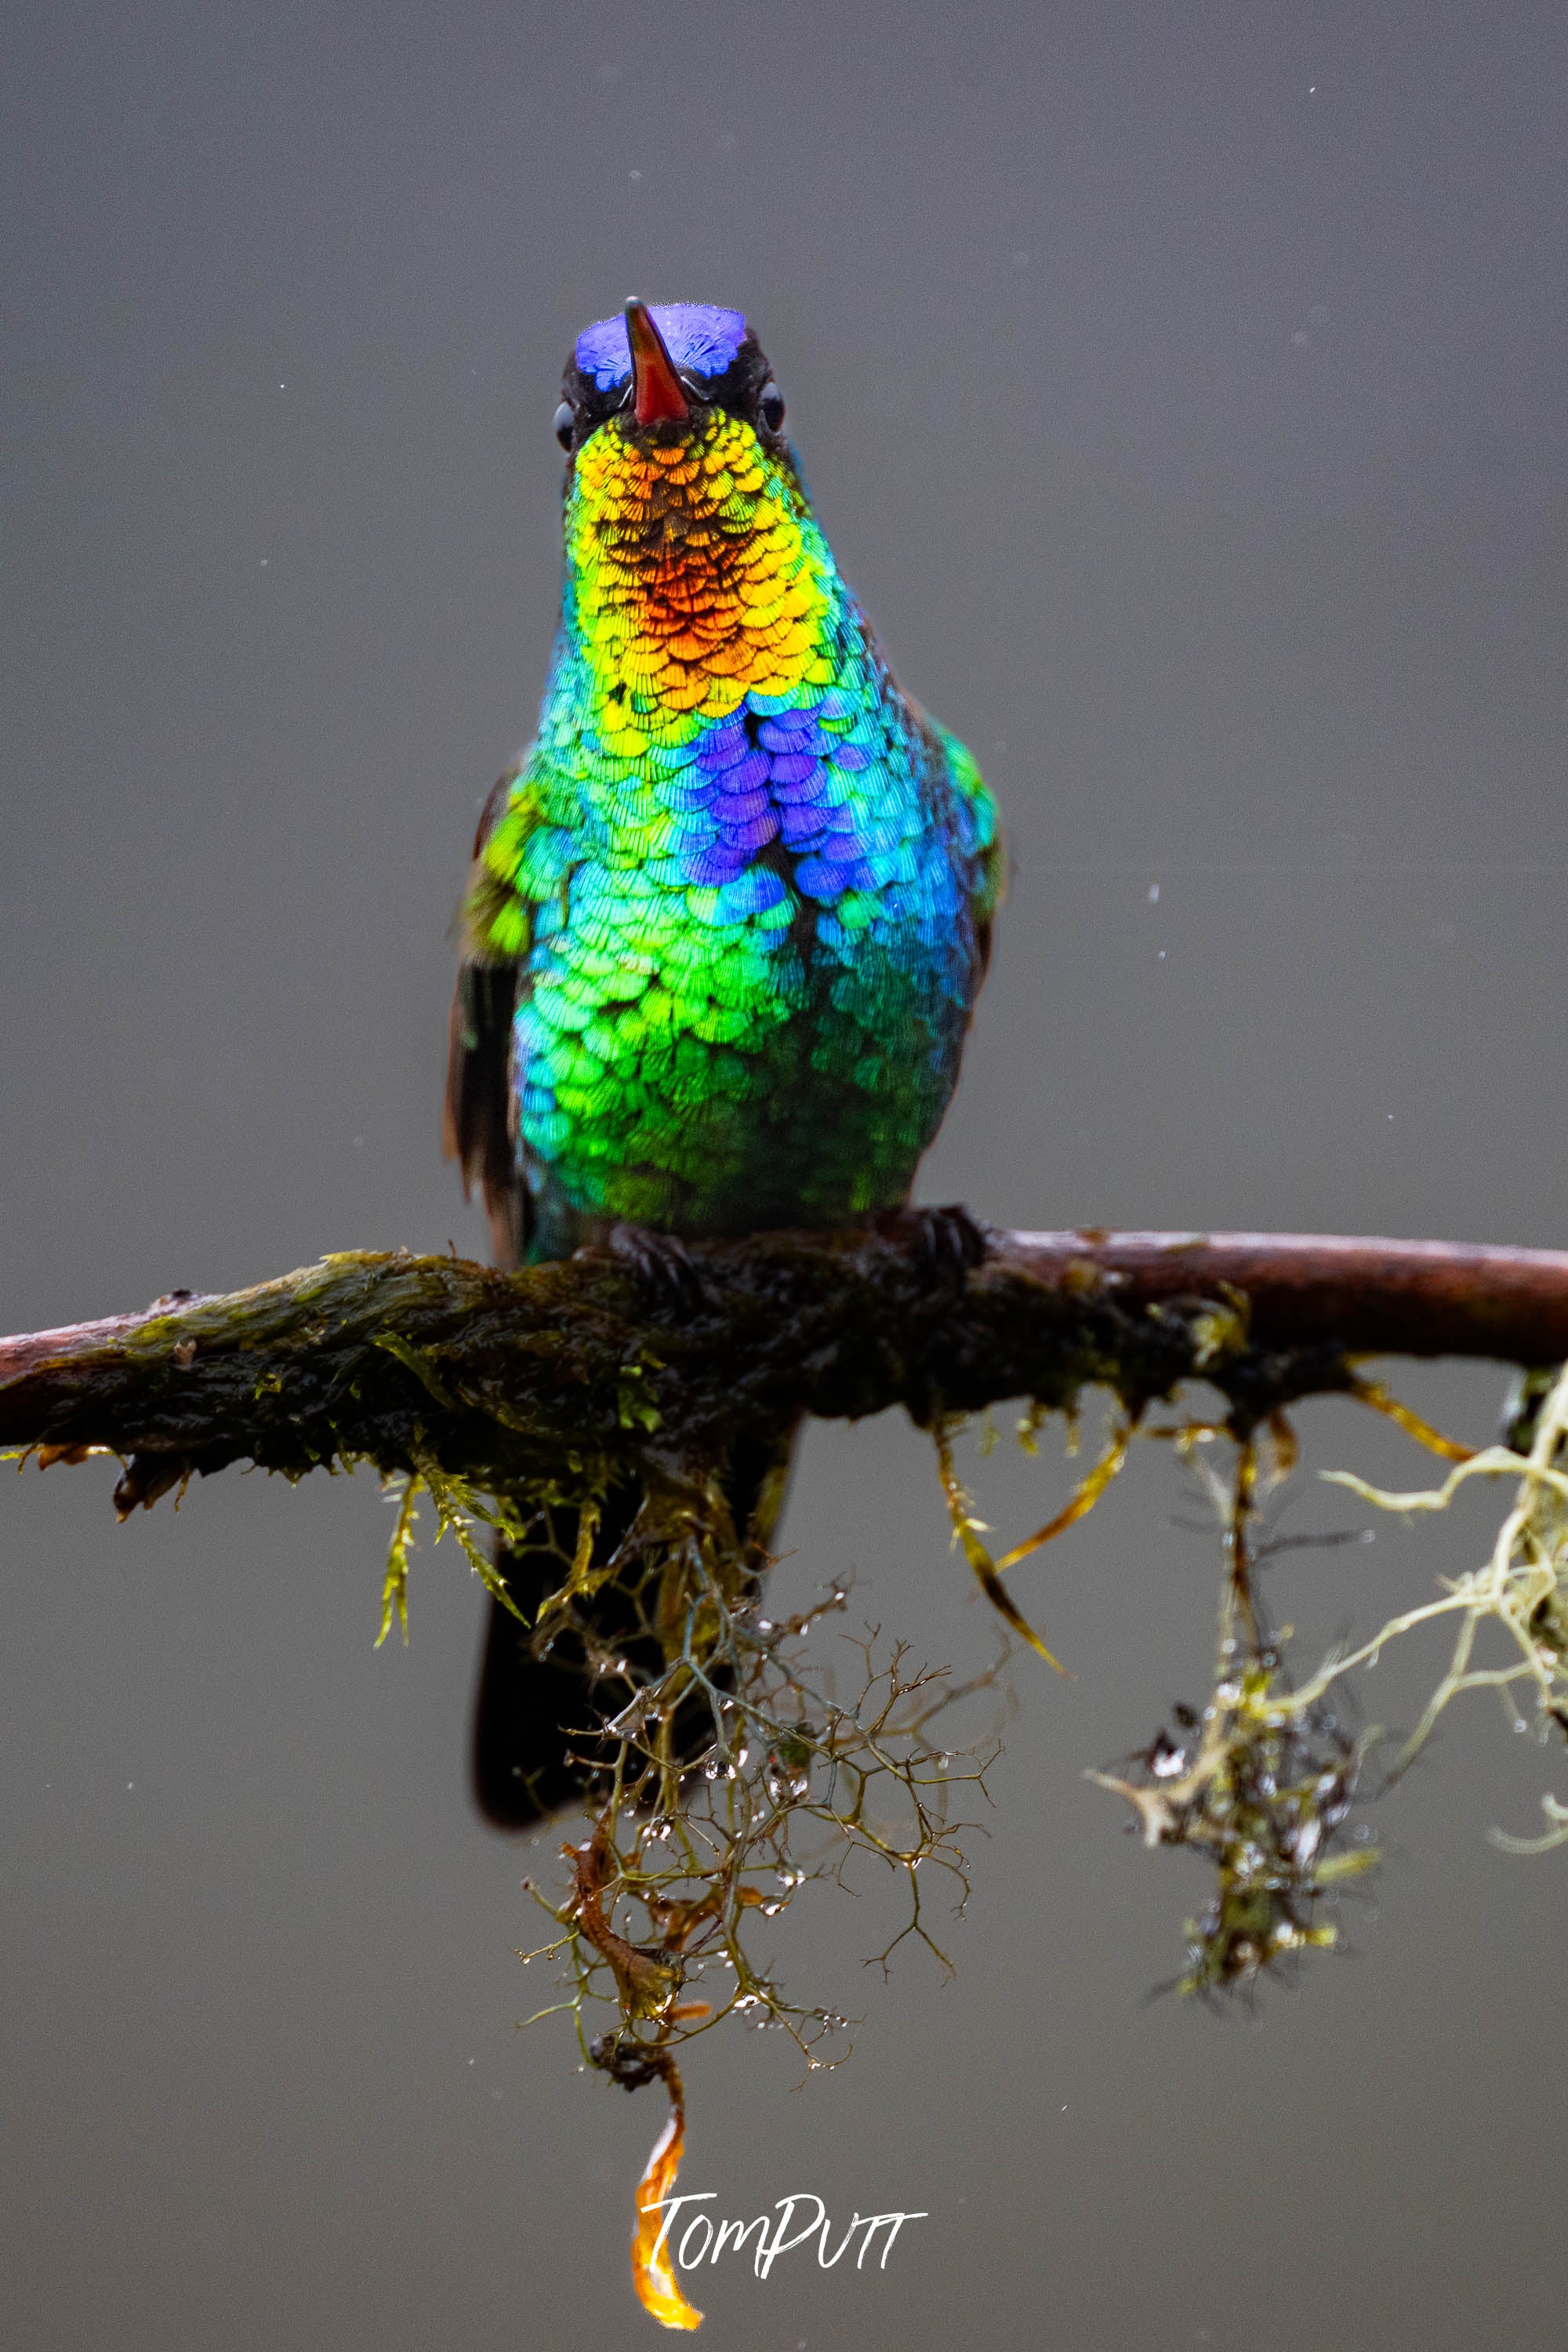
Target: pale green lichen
(1521, 1589)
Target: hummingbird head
(667, 368)
(695, 571)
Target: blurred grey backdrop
(1183, 388)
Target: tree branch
(574, 1374)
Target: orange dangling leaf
(653, 2275)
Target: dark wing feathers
(478, 1124)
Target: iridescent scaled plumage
(734, 902)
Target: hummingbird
(727, 915)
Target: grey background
(1181, 386)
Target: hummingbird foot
(946, 1243)
(662, 1262)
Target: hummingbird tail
(534, 1750)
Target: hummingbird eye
(566, 424)
(770, 406)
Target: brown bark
(1368, 1295)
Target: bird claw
(947, 1243)
(662, 1261)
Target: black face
(746, 390)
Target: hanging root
(967, 1531)
(1382, 1399)
(1084, 1500)
(730, 1774)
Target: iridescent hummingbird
(729, 911)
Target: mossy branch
(577, 1373)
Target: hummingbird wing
(979, 844)
(981, 837)
(478, 1121)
